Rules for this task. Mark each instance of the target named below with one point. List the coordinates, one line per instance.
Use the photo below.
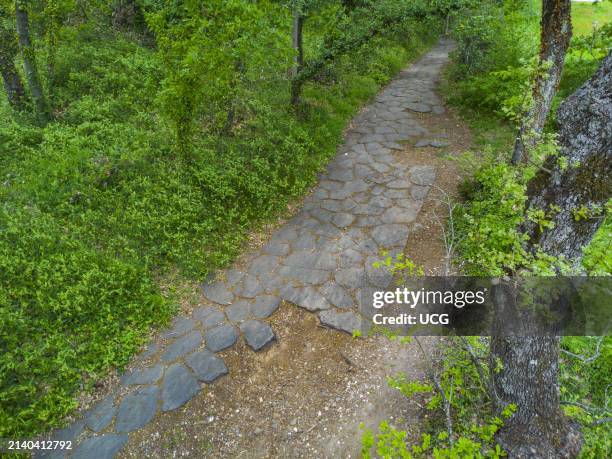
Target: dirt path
(200, 391)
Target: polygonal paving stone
(390, 235)
(399, 215)
(342, 220)
(341, 175)
(257, 334)
(276, 248)
(70, 432)
(263, 264)
(149, 351)
(100, 447)
(142, 376)
(233, 276)
(221, 337)
(379, 277)
(438, 109)
(345, 321)
(137, 409)
(209, 317)
(399, 183)
(422, 143)
(305, 297)
(178, 388)
(250, 287)
(218, 292)
(422, 175)
(306, 241)
(350, 277)
(336, 295)
(439, 144)
(304, 275)
(180, 327)
(265, 306)
(417, 107)
(419, 192)
(182, 346)
(238, 311)
(206, 365)
(350, 258)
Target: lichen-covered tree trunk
(529, 377)
(574, 198)
(10, 77)
(556, 32)
(29, 60)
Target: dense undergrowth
(103, 201)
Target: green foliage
(67, 312)
(474, 423)
(97, 207)
(586, 386)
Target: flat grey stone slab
(142, 376)
(206, 365)
(422, 175)
(250, 286)
(257, 334)
(390, 235)
(209, 316)
(345, 321)
(182, 346)
(218, 292)
(137, 409)
(305, 297)
(101, 415)
(180, 327)
(337, 295)
(178, 388)
(221, 337)
(418, 107)
(100, 447)
(265, 306)
(239, 311)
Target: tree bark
(298, 60)
(573, 197)
(29, 60)
(10, 77)
(556, 32)
(529, 377)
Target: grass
(586, 15)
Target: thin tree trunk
(529, 377)
(10, 77)
(29, 61)
(298, 60)
(556, 32)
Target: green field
(587, 15)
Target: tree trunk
(10, 77)
(529, 377)
(556, 32)
(298, 60)
(581, 191)
(29, 61)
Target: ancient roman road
(320, 260)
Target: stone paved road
(320, 260)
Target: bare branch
(445, 400)
(590, 359)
